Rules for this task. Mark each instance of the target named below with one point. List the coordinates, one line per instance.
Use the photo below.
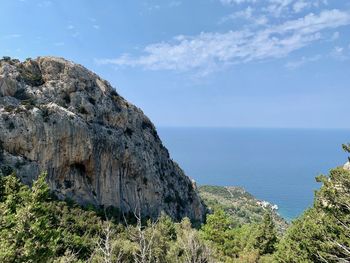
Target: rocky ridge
(96, 147)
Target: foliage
(36, 227)
(232, 243)
(27, 233)
(333, 199)
(322, 233)
(188, 246)
(346, 147)
(266, 236)
(239, 204)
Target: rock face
(96, 147)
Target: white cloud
(340, 53)
(300, 6)
(153, 7)
(230, 2)
(302, 61)
(278, 8)
(313, 23)
(73, 31)
(247, 14)
(338, 50)
(210, 51)
(96, 27)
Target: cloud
(151, 7)
(302, 61)
(230, 2)
(175, 3)
(300, 5)
(11, 36)
(340, 53)
(72, 29)
(277, 8)
(45, 4)
(335, 36)
(247, 14)
(210, 51)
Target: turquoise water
(277, 165)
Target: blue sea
(277, 165)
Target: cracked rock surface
(96, 147)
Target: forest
(37, 227)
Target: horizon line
(253, 127)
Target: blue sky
(212, 63)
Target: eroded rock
(97, 148)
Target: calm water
(277, 165)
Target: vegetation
(243, 207)
(36, 227)
(322, 233)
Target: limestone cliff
(57, 116)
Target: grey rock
(96, 147)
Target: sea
(276, 165)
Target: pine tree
(26, 228)
(266, 235)
(322, 233)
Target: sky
(205, 63)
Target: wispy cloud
(230, 2)
(210, 51)
(335, 36)
(152, 7)
(73, 30)
(278, 8)
(247, 14)
(175, 3)
(340, 53)
(11, 36)
(45, 3)
(302, 61)
(300, 5)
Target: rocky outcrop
(96, 147)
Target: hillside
(96, 147)
(239, 204)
